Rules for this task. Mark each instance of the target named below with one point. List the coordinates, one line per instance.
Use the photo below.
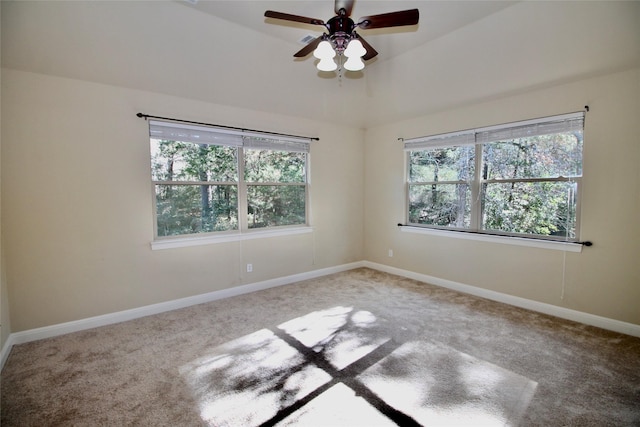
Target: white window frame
(478, 137)
(241, 140)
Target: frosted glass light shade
(327, 64)
(324, 51)
(355, 49)
(354, 52)
(354, 64)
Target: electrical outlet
(249, 268)
(390, 253)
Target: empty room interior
(206, 219)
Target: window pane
(547, 156)
(186, 161)
(540, 208)
(446, 205)
(274, 205)
(274, 166)
(442, 164)
(189, 209)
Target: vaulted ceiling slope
(226, 52)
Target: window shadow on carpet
(344, 366)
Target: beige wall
(77, 214)
(604, 279)
(5, 325)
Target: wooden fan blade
(393, 19)
(294, 18)
(344, 4)
(371, 52)
(310, 47)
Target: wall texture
(5, 322)
(604, 279)
(77, 203)
(77, 215)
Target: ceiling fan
(342, 38)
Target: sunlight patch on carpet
(258, 371)
(305, 373)
(338, 406)
(438, 385)
(341, 335)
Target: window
(213, 180)
(520, 179)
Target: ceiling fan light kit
(324, 51)
(354, 53)
(342, 40)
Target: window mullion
(154, 198)
(577, 203)
(407, 185)
(193, 182)
(437, 182)
(476, 189)
(516, 180)
(243, 204)
(307, 186)
(276, 184)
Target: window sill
(181, 242)
(507, 240)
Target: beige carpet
(360, 348)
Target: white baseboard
(135, 313)
(553, 310)
(122, 316)
(6, 349)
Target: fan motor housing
(340, 31)
(340, 24)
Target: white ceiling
(437, 18)
(226, 52)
